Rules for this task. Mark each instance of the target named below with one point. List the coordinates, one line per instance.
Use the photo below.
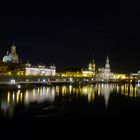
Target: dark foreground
(93, 127)
(75, 126)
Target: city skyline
(66, 68)
(73, 36)
(73, 70)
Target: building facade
(105, 74)
(90, 72)
(40, 70)
(135, 75)
(10, 65)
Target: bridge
(50, 80)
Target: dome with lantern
(12, 56)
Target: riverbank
(22, 82)
(16, 86)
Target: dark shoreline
(33, 85)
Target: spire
(27, 61)
(7, 52)
(107, 59)
(93, 61)
(13, 48)
(107, 65)
(13, 43)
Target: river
(71, 109)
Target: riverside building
(10, 65)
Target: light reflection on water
(10, 99)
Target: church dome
(7, 58)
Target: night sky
(73, 35)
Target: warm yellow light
(120, 76)
(57, 90)
(8, 97)
(21, 96)
(63, 90)
(26, 73)
(17, 98)
(91, 96)
(9, 73)
(26, 96)
(70, 89)
(33, 92)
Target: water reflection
(105, 90)
(127, 90)
(10, 99)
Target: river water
(90, 110)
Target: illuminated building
(70, 74)
(119, 76)
(40, 70)
(87, 73)
(135, 75)
(10, 63)
(10, 66)
(104, 74)
(12, 56)
(90, 72)
(11, 69)
(91, 66)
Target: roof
(7, 58)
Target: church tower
(13, 54)
(13, 49)
(107, 65)
(91, 66)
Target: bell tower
(107, 65)
(13, 54)
(13, 48)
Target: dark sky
(72, 36)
